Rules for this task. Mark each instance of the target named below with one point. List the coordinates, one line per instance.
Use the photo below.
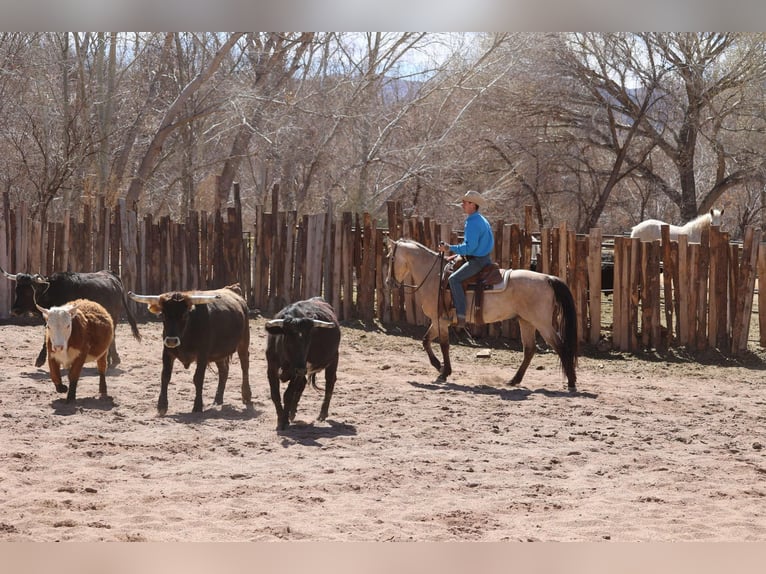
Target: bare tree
(699, 104)
(173, 118)
(591, 128)
(274, 58)
(43, 134)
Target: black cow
(202, 326)
(103, 287)
(296, 349)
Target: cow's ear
(154, 308)
(275, 329)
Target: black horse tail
(567, 329)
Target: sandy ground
(649, 449)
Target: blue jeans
(469, 269)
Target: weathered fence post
(5, 286)
(129, 247)
(745, 288)
(594, 258)
(762, 293)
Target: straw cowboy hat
(475, 197)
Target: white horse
(542, 303)
(650, 229)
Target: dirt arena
(649, 449)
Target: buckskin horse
(541, 303)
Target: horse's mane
(417, 244)
(703, 220)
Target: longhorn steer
(202, 326)
(77, 333)
(303, 339)
(103, 287)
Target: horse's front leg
(440, 330)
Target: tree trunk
(123, 157)
(269, 78)
(171, 121)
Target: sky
(383, 15)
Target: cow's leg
(199, 379)
(167, 370)
(298, 394)
(244, 360)
(272, 372)
(113, 358)
(40, 361)
(528, 343)
(55, 370)
(330, 375)
(223, 375)
(101, 364)
(290, 402)
(74, 376)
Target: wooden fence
(695, 295)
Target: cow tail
(131, 318)
(314, 383)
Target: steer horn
(317, 323)
(148, 299)
(203, 299)
(8, 275)
(195, 299)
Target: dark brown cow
(103, 287)
(202, 326)
(303, 340)
(77, 333)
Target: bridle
(398, 283)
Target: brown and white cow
(202, 326)
(76, 333)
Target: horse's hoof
(440, 380)
(572, 388)
(513, 383)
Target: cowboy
(476, 248)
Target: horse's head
(398, 265)
(715, 217)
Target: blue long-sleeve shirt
(478, 239)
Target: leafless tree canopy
(595, 129)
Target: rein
(414, 288)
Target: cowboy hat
(475, 197)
